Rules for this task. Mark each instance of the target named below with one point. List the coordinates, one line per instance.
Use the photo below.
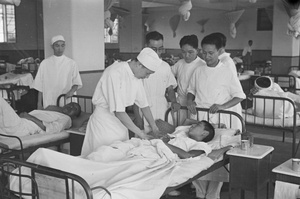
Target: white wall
(246, 28)
(81, 23)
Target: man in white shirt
(57, 75)
(247, 55)
(158, 85)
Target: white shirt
(228, 61)
(246, 50)
(155, 87)
(56, 76)
(183, 72)
(216, 85)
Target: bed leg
(283, 136)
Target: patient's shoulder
(53, 108)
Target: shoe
(174, 193)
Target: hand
(23, 115)
(69, 94)
(253, 90)
(191, 105)
(215, 108)
(175, 106)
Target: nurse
(119, 87)
(185, 67)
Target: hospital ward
(149, 99)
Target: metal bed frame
(67, 176)
(293, 129)
(86, 105)
(217, 165)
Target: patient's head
(202, 131)
(72, 109)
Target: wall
(29, 29)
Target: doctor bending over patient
(57, 75)
(119, 87)
(51, 120)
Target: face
(72, 109)
(197, 132)
(157, 46)
(210, 54)
(189, 53)
(142, 72)
(59, 48)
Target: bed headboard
(184, 111)
(286, 82)
(84, 101)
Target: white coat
(117, 89)
(56, 76)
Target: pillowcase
(78, 122)
(224, 137)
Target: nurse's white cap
(149, 59)
(57, 38)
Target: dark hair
(211, 131)
(212, 40)
(154, 35)
(263, 82)
(79, 108)
(221, 36)
(191, 40)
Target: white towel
(284, 190)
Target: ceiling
(210, 4)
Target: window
(7, 24)
(112, 36)
(264, 22)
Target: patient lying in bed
(53, 119)
(264, 86)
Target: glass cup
(248, 136)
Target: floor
(281, 153)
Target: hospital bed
(286, 82)
(17, 146)
(182, 172)
(271, 116)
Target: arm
(216, 107)
(70, 93)
(148, 115)
(125, 119)
(40, 101)
(172, 97)
(191, 105)
(183, 154)
(33, 119)
(137, 117)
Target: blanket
(133, 169)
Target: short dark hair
(211, 131)
(191, 40)
(221, 36)
(212, 40)
(154, 35)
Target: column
(285, 48)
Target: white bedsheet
(279, 122)
(143, 171)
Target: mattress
(32, 140)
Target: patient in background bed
(53, 119)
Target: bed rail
(183, 110)
(84, 101)
(286, 82)
(26, 171)
(264, 111)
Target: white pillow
(223, 137)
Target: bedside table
(76, 141)
(285, 173)
(250, 169)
